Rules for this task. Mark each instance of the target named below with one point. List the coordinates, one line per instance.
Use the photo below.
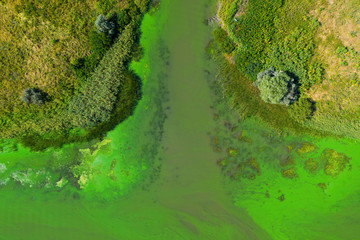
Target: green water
(178, 190)
(156, 176)
(295, 206)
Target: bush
(225, 43)
(100, 43)
(292, 55)
(302, 110)
(276, 87)
(95, 103)
(255, 31)
(315, 75)
(341, 50)
(123, 19)
(33, 95)
(142, 4)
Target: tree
(104, 26)
(33, 95)
(276, 87)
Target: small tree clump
(33, 95)
(104, 26)
(276, 87)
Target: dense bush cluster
(276, 87)
(83, 67)
(101, 39)
(267, 39)
(96, 99)
(226, 44)
(103, 73)
(255, 31)
(302, 110)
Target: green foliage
(276, 87)
(302, 110)
(123, 19)
(341, 50)
(315, 75)
(125, 104)
(105, 5)
(292, 54)
(96, 100)
(142, 4)
(255, 31)
(100, 43)
(225, 42)
(102, 39)
(244, 97)
(281, 34)
(273, 89)
(227, 10)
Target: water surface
(186, 198)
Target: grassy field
(55, 47)
(316, 42)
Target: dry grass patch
(38, 41)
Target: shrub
(33, 95)
(142, 4)
(315, 75)
(95, 103)
(255, 31)
(123, 19)
(225, 43)
(100, 43)
(341, 50)
(293, 54)
(276, 87)
(302, 110)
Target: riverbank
(290, 42)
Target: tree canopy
(104, 26)
(33, 95)
(276, 87)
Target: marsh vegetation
(313, 42)
(77, 54)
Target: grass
(315, 42)
(40, 41)
(244, 96)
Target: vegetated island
(64, 68)
(293, 64)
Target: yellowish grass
(38, 52)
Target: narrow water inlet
(188, 199)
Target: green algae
(335, 162)
(311, 165)
(303, 181)
(305, 148)
(185, 198)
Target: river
(187, 199)
(157, 176)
